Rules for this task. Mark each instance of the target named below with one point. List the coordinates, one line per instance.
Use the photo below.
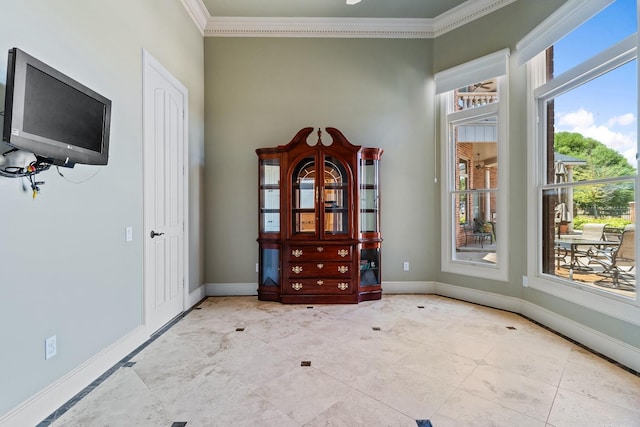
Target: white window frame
(488, 67)
(539, 92)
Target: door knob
(154, 234)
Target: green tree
(602, 162)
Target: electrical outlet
(257, 267)
(525, 281)
(405, 266)
(50, 347)
(128, 234)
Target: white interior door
(164, 129)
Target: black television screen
(53, 116)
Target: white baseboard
(490, 299)
(615, 349)
(195, 297)
(52, 397)
(231, 289)
(408, 288)
(249, 289)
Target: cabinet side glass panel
(370, 267)
(269, 274)
(270, 196)
(369, 196)
(335, 197)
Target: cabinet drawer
(319, 252)
(318, 286)
(320, 269)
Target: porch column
(487, 195)
(570, 198)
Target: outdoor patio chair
(619, 261)
(612, 234)
(590, 231)
(475, 235)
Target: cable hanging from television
(30, 171)
(74, 181)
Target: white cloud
(582, 122)
(581, 119)
(623, 120)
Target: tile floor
(433, 360)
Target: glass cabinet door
(369, 196)
(304, 195)
(269, 266)
(270, 196)
(320, 197)
(335, 197)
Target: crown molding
(413, 28)
(466, 12)
(198, 13)
(224, 26)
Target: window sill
(475, 269)
(615, 306)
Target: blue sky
(606, 108)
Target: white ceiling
(331, 8)
(334, 18)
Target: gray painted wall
(260, 92)
(65, 268)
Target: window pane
(476, 95)
(595, 128)
(476, 169)
(590, 244)
(475, 239)
(476, 155)
(613, 24)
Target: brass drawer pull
(296, 286)
(343, 286)
(296, 253)
(319, 249)
(320, 266)
(296, 269)
(343, 269)
(343, 252)
(320, 282)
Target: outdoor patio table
(571, 243)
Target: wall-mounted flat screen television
(53, 116)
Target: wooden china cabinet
(319, 221)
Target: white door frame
(149, 61)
